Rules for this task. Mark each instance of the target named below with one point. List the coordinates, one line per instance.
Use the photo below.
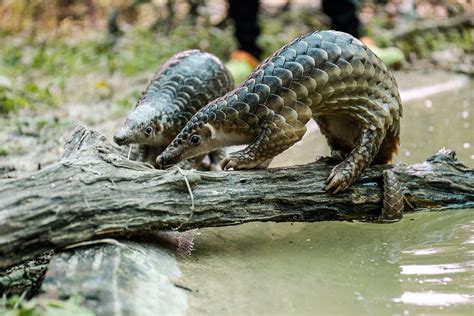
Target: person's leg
(245, 15)
(343, 14)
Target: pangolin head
(143, 126)
(198, 137)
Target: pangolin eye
(195, 139)
(148, 130)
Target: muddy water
(424, 264)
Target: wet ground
(422, 265)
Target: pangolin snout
(160, 162)
(163, 163)
(167, 159)
(120, 137)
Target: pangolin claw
(339, 179)
(229, 163)
(239, 161)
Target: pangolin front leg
(251, 156)
(276, 137)
(346, 172)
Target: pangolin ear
(158, 127)
(208, 131)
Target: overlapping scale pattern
(183, 85)
(328, 76)
(324, 72)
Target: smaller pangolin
(182, 85)
(328, 76)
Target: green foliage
(30, 95)
(16, 306)
(136, 51)
(47, 68)
(9, 101)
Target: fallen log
(110, 277)
(94, 192)
(431, 26)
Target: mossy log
(94, 192)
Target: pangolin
(182, 85)
(327, 76)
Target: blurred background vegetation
(64, 62)
(57, 51)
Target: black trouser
(343, 14)
(245, 16)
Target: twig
(91, 170)
(20, 299)
(95, 242)
(4, 301)
(129, 152)
(410, 206)
(190, 194)
(87, 203)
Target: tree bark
(94, 192)
(113, 277)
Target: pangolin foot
(215, 167)
(237, 161)
(339, 179)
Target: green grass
(16, 306)
(47, 69)
(28, 96)
(41, 68)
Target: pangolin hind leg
(274, 138)
(148, 154)
(364, 151)
(215, 158)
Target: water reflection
(433, 269)
(441, 275)
(435, 299)
(336, 268)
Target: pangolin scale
(393, 199)
(327, 76)
(182, 85)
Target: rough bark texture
(117, 278)
(93, 192)
(24, 278)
